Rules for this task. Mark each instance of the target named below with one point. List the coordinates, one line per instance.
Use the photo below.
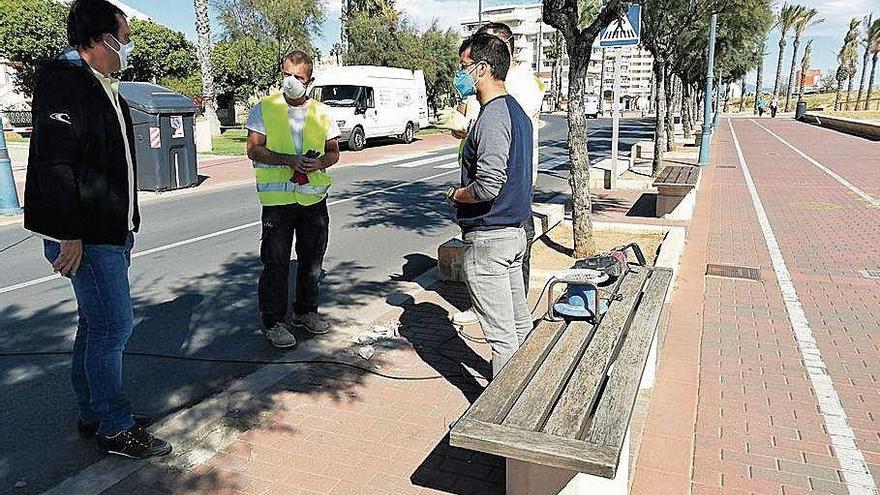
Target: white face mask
(123, 52)
(293, 88)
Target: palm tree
(874, 43)
(846, 59)
(805, 65)
(203, 28)
(806, 19)
(867, 55)
(785, 20)
(759, 78)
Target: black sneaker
(91, 429)
(135, 442)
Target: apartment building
(535, 42)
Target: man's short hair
(89, 20)
(490, 49)
(498, 29)
(298, 57)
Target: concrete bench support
(545, 216)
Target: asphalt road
(193, 278)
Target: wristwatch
(450, 194)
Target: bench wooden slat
(536, 401)
(611, 419)
(535, 447)
(505, 389)
(677, 175)
(579, 398)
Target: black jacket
(77, 175)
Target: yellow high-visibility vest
(274, 186)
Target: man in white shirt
(292, 140)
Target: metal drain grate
(732, 271)
(726, 166)
(874, 274)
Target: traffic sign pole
(615, 120)
(8, 195)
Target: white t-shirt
(297, 118)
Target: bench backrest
(565, 398)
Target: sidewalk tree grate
(733, 271)
(873, 274)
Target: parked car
(369, 102)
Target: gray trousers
(493, 262)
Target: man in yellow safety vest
(292, 140)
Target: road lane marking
(854, 470)
(430, 159)
(834, 175)
(159, 249)
(385, 161)
(448, 166)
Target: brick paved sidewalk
(734, 410)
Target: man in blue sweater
(495, 197)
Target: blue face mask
(464, 82)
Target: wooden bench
(674, 184)
(562, 404)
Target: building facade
(536, 44)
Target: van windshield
(338, 96)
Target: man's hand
(69, 259)
(296, 162)
(311, 164)
(453, 120)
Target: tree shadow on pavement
(395, 208)
(208, 317)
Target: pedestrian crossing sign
(623, 31)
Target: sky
(827, 35)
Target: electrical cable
(7, 248)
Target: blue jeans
(106, 320)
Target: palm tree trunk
(795, 45)
(203, 28)
(759, 80)
(864, 74)
(871, 79)
(779, 66)
(742, 94)
(841, 80)
(849, 86)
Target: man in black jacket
(80, 197)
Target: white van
(369, 101)
(591, 106)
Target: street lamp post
(8, 196)
(707, 96)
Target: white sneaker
(279, 336)
(311, 322)
(464, 318)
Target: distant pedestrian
(760, 105)
(495, 197)
(292, 139)
(80, 197)
(774, 106)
